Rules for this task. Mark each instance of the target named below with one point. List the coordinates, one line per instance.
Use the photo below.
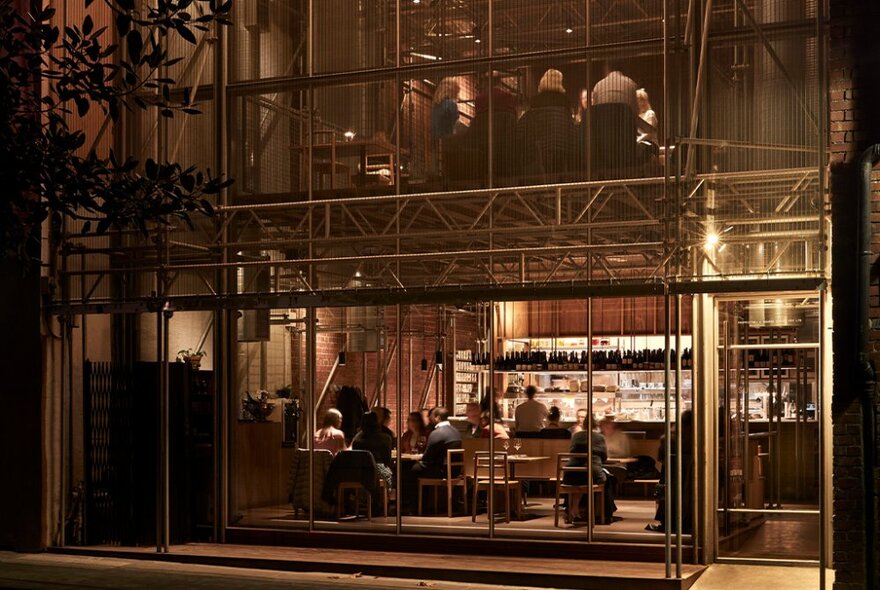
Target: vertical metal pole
(222, 335)
(490, 501)
(726, 425)
(65, 409)
(820, 419)
(166, 435)
(491, 127)
(160, 437)
(746, 467)
(311, 349)
(678, 445)
(667, 459)
(399, 397)
(588, 422)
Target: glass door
(768, 432)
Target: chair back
(488, 467)
(562, 466)
(354, 466)
(454, 463)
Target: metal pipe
(698, 86)
(398, 521)
(311, 351)
(667, 432)
(865, 369)
(490, 501)
(678, 444)
(588, 422)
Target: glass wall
(426, 419)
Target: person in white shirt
(647, 114)
(531, 415)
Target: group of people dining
(429, 435)
(549, 137)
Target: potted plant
(193, 358)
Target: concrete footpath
(42, 571)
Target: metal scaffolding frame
(645, 235)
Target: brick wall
(854, 101)
(362, 369)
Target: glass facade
(441, 204)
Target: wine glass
(517, 444)
(506, 445)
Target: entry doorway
(769, 434)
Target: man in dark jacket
(579, 442)
(433, 462)
(546, 135)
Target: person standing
(531, 415)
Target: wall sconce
(424, 365)
(341, 361)
(438, 359)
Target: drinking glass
(517, 444)
(506, 445)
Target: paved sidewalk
(43, 571)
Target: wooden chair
(455, 477)
(574, 492)
(346, 486)
(489, 471)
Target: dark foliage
(49, 77)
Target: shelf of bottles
(627, 383)
(539, 361)
(467, 380)
(784, 379)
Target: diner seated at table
(383, 414)
(553, 428)
(580, 443)
(474, 418)
(615, 122)
(329, 436)
(546, 137)
(499, 432)
(580, 419)
(616, 440)
(433, 462)
(416, 436)
(371, 438)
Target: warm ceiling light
(349, 135)
(712, 240)
(416, 1)
(569, 30)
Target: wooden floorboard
(516, 571)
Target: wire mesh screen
(426, 143)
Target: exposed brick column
(854, 101)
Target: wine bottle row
(602, 360)
(764, 359)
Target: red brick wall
(418, 321)
(854, 101)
